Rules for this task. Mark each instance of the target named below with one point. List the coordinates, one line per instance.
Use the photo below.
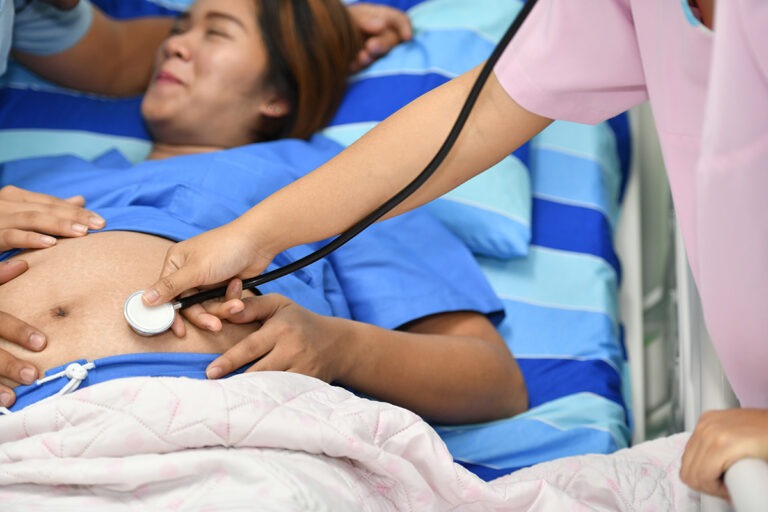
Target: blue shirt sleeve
(42, 29)
(408, 267)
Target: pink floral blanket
(281, 441)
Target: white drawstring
(75, 372)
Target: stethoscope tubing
(253, 282)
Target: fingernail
(36, 341)
(96, 222)
(79, 228)
(214, 372)
(151, 296)
(27, 375)
(6, 399)
(47, 240)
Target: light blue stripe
(20, 78)
(591, 143)
(17, 144)
(503, 189)
(535, 331)
(555, 278)
(572, 425)
(489, 18)
(576, 181)
(583, 410)
(346, 134)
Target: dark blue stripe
(132, 9)
(29, 109)
(376, 98)
(573, 228)
(486, 473)
(620, 127)
(403, 5)
(550, 379)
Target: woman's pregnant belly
(74, 293)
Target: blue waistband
(149, 364)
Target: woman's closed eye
(217, 32)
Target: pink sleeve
(575, 61)
(732, 202)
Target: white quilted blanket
(283, 442)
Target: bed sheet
(561, 287)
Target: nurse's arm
(383, 161)
(351, 185)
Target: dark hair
(311, 45)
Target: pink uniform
(589, 60)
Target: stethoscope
(149, 321)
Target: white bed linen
(281, 441)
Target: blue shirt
(394, 272)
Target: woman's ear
(276, 107)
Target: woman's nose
(177, 45)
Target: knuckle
(168, 283)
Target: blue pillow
(491, 213)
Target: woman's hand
(290, 338)
(719, 440)
(29, 220)
(382, 28)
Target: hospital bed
(573, 310)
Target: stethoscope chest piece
(146, 320)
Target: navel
(59, 312)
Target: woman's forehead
(243, 11)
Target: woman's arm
(115, 57)
(450, 367)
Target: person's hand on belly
(29, 220)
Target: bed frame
(674, 371)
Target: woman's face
(208, 85)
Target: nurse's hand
(21, 333)
(208, 259)
(29, 220)
(382, 28)
(719, 440)
(290, 338)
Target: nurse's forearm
(370, 171)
